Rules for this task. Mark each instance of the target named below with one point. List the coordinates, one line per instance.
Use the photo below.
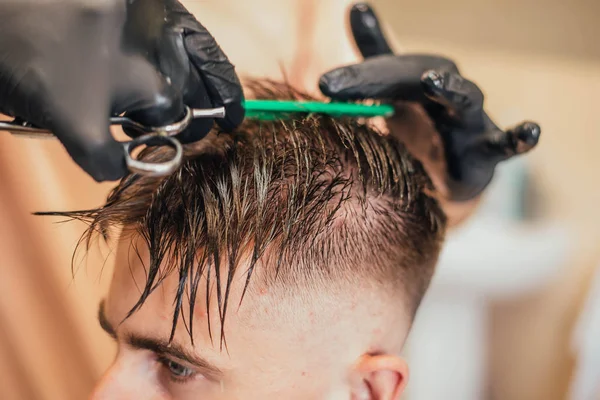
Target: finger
(79, 117)
(84, 130)
(215, 73)
(367, 32)
(144, 94)
(197, 97)
(143, 26)
(518, 140)
(92, 147)
(218, 75)
(526, 136)
(462, 98)
(471, 164)
(174, 62)
(384, 77)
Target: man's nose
(128, 380)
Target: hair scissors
(266, 110)
(152, 136)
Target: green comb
(269, 110)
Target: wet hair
(307, 199)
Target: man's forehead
(259, 304)
(266, 311)
(132, 265)
(257, 331)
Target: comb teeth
(269, 115)
(269, 110)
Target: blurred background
(510, 315)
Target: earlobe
(379, 377)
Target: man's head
(283, 261)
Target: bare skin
(327, 345)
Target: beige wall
(537, 61)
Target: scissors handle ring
(165, 130)
(150, 135)
(176, 127)
(149, 168)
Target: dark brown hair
(321, 199)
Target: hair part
(317, 198)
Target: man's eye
(177, 371)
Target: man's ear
(379, 377)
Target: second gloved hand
(472, 144)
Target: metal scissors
(152, 136)
(265, 110)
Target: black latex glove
(68, 65)
(473, 144)
(183, 50)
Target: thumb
(472, 162)
(93, 148)
(367, 31)
(501, 146)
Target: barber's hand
(472, 144)
(68, 65)
(184, 51)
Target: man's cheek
(133, 375)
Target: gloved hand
(68, 65)
(473, 145)
(185, 52)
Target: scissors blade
(161, 135)
(176, 127)
(26, 129)
(23, 129)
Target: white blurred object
(492, 256)
(586, 344)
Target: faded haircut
(308, 199)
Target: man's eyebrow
(104, 323)
(163, 347)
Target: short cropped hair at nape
(313, 198)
